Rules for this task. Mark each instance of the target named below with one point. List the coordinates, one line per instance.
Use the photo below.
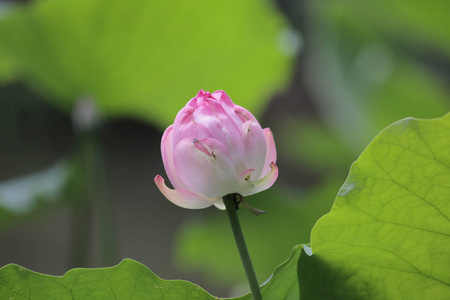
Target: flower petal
(186, 127)
(167, 157)
(213, 116)
(223, 98)
(246, 174)
(198, 100)
(243, 114)
(184, 198)
(254, 148)
(253, 187)
(271, 155)
(220, 205)
(211, 174)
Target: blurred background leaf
(145, 59)
(374, 63)
(26, 196)
(18, 195)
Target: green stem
(231, 204)
(96, 188)
(81, 204)
(90, 200)
(81, 227)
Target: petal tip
(158, 178)
(266, 182)
(183, 198)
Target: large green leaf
(388, 233)
(281, 285)
(129, 280)
(146, 58)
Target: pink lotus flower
(215, 148)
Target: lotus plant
(216, 153)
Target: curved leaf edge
(287, 268)
(310, 265)
(125, 263)
(402, 122)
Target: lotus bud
(215, 148)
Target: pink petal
(185, 126)
(197, 100)
(254, 148)
(271, 155)
(253, 187)
(243, 114)
(199, 145)
(211, 174)
(167, 157)
(246, 174)
(223, 98)
(202, 95)
(221, 126)
(183, 198)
